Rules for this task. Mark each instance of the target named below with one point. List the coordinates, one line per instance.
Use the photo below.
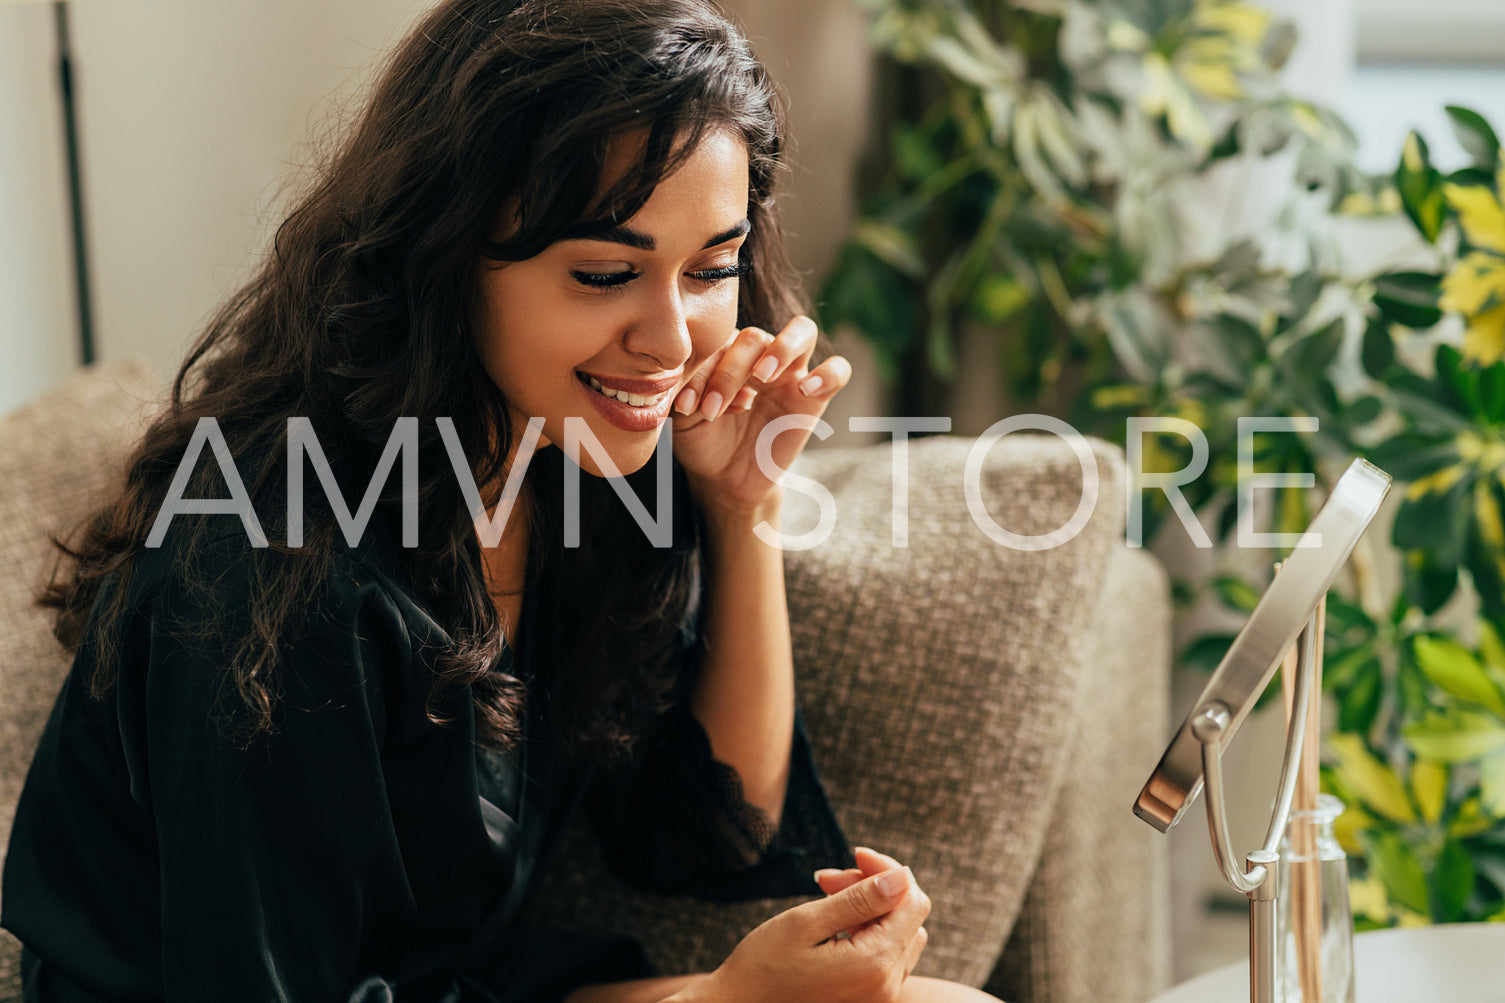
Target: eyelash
(616, 280)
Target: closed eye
(615, 280)
(711, 276)
(604, 280)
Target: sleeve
(674, 818)
(279, 864)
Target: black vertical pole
(75, 186)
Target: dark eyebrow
(634, 238)
(730, 233)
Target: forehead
(713, 177)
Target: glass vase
(1313, 892)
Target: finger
(733, 371)
(899, 923)
(832, 880)
(870, 861)
(914, 949)
(689, 396)
(866, 900)
(743, 399)
(794, 344)
(827, 378)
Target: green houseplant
(1040, 179)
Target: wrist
(740, 516)
(709, 989)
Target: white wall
(193, 115)
(37, 326)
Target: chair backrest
(58, 457)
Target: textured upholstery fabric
(1094, 922)
(56, 456)
(947, 687)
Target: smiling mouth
(634, 400)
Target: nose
(661, 330)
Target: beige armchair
(982, 713)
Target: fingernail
(892, 883)
(811, 385)
(765, 369)
(711, 405)
(686, 402)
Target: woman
(309, 755)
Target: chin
(629, 452)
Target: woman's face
(633, 311)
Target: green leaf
(1409, 298)
(878, 302)
(1459, 378)
(895, 247)
(1342, 668)
(1311, 356)
(1375, 783)
(1206, 652)
(1410, 458)
(1379, 349)
(1236, 593)
(1364, 410)
(1491, 648)
(1492, 783)
(996, 298)
(1429, 786)
(1452, 882)
(1475, 136)
(1428, 412)
(1434, 516)
(1454, 668)
(1492, 393)
(1399, 871)
(1455, 737)
(1420, 188)
(1360, 703)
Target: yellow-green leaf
(1492, 784)
(1429, 785)
(1400, 869)
(1459, 737)
(1349, 825)
(1490, 645)
(1374, 782)
(1454, 668)
(1470, 820)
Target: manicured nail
(711, 405)
(811, 385)
(765, 369)
(686, 402)
(892, 883)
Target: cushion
(938, 682)
(60, 458)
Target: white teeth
(636, 400)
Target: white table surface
(1456, 963)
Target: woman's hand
(869, 862)
(797, 955)
(833, 880)
(719, 413)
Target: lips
(655, 396)
(641, 388)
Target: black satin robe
(361, 853)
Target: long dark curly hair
(365, 311)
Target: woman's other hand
(798, 955)
(720, 412)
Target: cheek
(717, 327)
